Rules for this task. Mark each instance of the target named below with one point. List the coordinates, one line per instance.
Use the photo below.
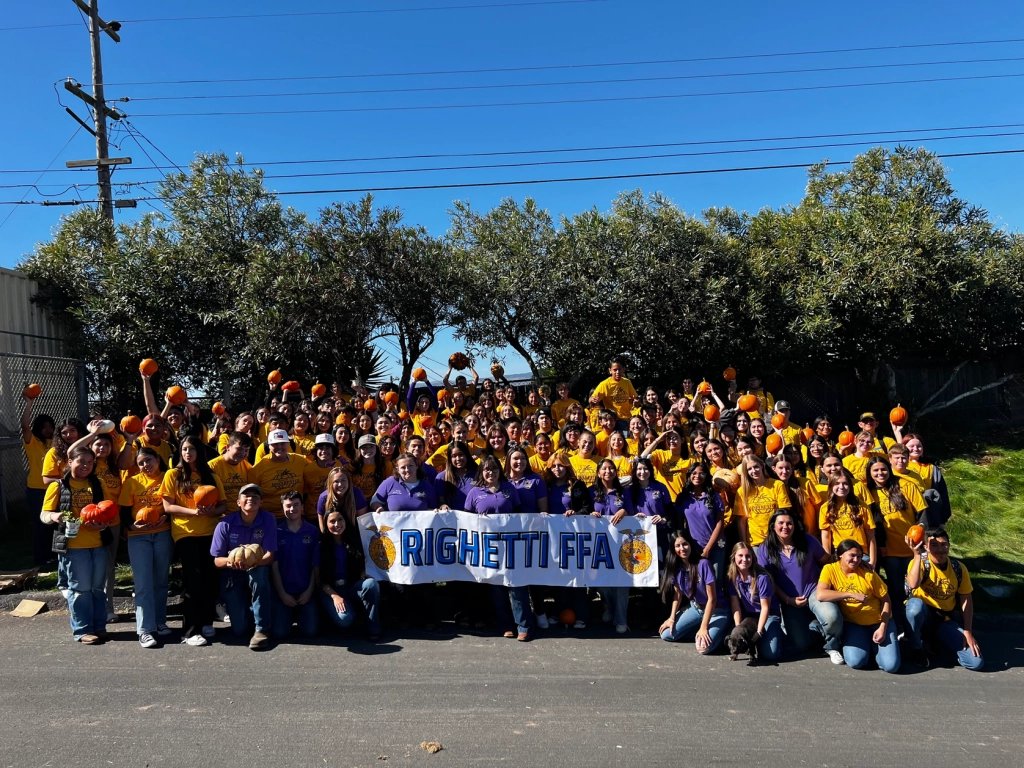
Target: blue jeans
(150, 555)
(368, 593)
(86, 571)
(617, 599)
(895, 578)
(717, 561)
(689, 622)
(519, 599)
(858, 646)
(802, 623)
(922, 618)
(244, 592)
(770, 646)
(306, 616)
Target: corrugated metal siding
(25, 328)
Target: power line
(594, 100)
(55, 157)
(610, 81)
(615, 177)
(304, 14)
(550, 67)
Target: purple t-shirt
(531, 488)
(232, 532)
(792, 579)
(357, 497)
(397, 497)
(613, 502)
(294, 556)
(702, 514)
(750, 607)
(454, 494)
(559, 499)
(705, 576)
(484, 501)
(654, 500)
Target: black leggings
(199, 583)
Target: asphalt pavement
(561, 700)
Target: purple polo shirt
(705, 576)
(340, 562)
(750, 607)
(429, 473)
(454, 494)
(559, 499)
(294, 558)
(531, 488)
(654, 500)
(232, 532)
(396, 497)
(357, 497)
(792, 579)
(702, 514)
(484, 501)
(613, 502)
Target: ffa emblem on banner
(634, 554)
(382, 549)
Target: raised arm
(26, 421)
(152, 407)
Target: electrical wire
(593, 100)
(55, 157)
(558, 84)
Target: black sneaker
(918, 657)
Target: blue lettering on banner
(565, 548)
(510, 540)
(529, 537)
(491, 550)
(412, 543)
(545, 548)
(428, 547)
(603, 552)
(582, 550)
(465, 548)
(446, 546)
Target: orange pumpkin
(89, 513)
(149, 515)
(726, 480)
(148, 367)
(898, 416)
(426, 421)
(780, 421)
(391, 397)
(274, 377)
(419, 374)
(290, 386)
(747, 403)
(442, 395)
(567, 617)
(459, 361)
(104, 512)
(32, 391)
(318, 390)
(176, 395)
(807, 433)
(846, 437)
(370, 405)
(131, 425)
(712, 414)
(916, 534)
(205, 496)
(704, 388)
(729, 374)
(497, 371)
(773, 443)
(218, 408)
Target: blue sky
(506, 36)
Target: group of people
(810, 535)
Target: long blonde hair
(346, 503)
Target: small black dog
(741, 640)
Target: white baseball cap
(277, 436)
(324, 439)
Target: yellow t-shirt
(418, 419)
(538, 465)
(670, 471)
(940, 588)
(35, 451)
(304, 445)
(923, 472)
(866, 583)
(792, 435)
(558, 409)
(276, 477)
(52, 466)
(365, 482)
(439, 459)
(232, 477)
(896, 523)
(183, 527)
(857, 466)
(81, 496)
(602, 438)
(111, 481)
(315, 479)
(617, 396)
(593, 419)
(759, 505)
(585, 469)
(139, 491)
(812, 503)
(163, 450)
(624, 466)
(850, 523)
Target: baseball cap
(277, 436)
(782, 404)
(367, 440)
(324, 439)
(868, 415)
(250, 489)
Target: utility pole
(101, 111)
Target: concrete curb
(55, 601)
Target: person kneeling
(341, 574)
(941, 605)
(292, 570)
(245, 586)
(688, 576)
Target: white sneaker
(146, 640)
(580, 624)
(67, 594)
(542, 621)
(621, 629)
(196, 640)
(208, 631)
(606, 617)
(836, 657)
(111, 617)
(222, 613)
(163, 630)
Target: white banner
(513, 550)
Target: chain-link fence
(64, 396)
